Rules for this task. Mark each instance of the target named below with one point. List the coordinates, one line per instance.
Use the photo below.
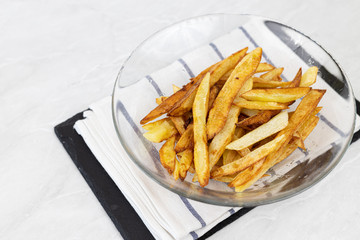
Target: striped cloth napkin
(167, 215)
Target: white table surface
(56, 57)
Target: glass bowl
(182, 50)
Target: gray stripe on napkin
(188, 70)
(193, 211)
(149, 147)
(216, 50)
(155, 85)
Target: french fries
(201, 152)
(221, 107)
(230, 125)
(282, 95)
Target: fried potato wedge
(222, 104)
(201, 152)
(273, 126)
(264, 67)
(185, 163)
(251, 158)
(214, 91)
(296, 81)
(186, 140)
(179, 124)
(160, 130)
(168, 155)
(261, 83)
(159, 100)
(249, 112)
(168, 103)
(224, 137)
(176, 172)
(245, 175)
(175, 88)
(185, 103)
(282, 95)
(309, 77)
(259, 105)
(273, 75)
(257, 120)
(304, 109)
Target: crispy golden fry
(261, 83)
(168, 155)
(169, 102)
(230, 155)
(304, 109)
(226, 76)
(264, 67)
(283, 95)
(185, 163)
(255, 121)
(160, 130)
(186, 140)
(259, 105)
(296, 81)
(273, 75)
(222, 104)
(176, 170)
(159, 100)
(249, 112)
(179, 124)
(201, 152)
(185, 104)
(305, 131)
(245, 175)
(273, 126)
(214, 91)
(243, 152)
(251, 158)
(219, 142)
(309, 77)
(175, 88)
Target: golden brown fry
(179, 124)
(259, 105)
(246, 175)
(273, 126)
(160, 130)
(186, 140)
(185, 163)
(219, 142)
(201, 153)
(305, 108)
(296, 81)
(249, 112)
(251, 158)
(243, 152)
(255, 121)
(264, 67)
(230, 155)
(168, 155)
(283, 95)
(169, 103)
(269, 84)
(159, 100)
(226, 76)
(222, 104)
(309, 77)
(214, 91)
(175, 88)
(273, 75)
(176, 170)
(185, 104)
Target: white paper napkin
(167, 215)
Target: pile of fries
(230, 123)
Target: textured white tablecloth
(57, 57)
